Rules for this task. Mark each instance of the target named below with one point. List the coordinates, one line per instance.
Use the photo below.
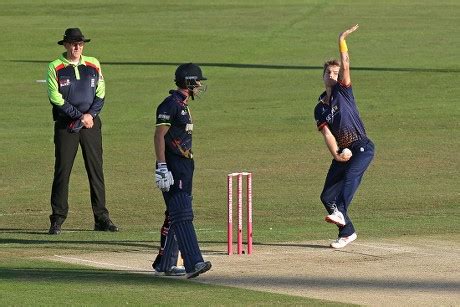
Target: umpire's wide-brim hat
(73, 35)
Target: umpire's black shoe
(107, 225)
(55, 229)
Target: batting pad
(170, 253)
(180, 208)
(181, 216)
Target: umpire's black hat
(73, 35)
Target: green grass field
(263, 60)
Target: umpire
(174, 173)
(76, 91)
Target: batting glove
(163, 177)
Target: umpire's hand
(163, 177)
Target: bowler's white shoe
(343, 241)
(335, 218)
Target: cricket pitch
(416, 272)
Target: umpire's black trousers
(66, 147)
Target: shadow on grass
(119, 277)
(59, 240)
(39, 232)
(124, 243)
(268, 66)
(80, 276)
(343, 283)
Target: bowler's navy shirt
(341, 115)
(174, 112)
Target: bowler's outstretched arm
(344, 73)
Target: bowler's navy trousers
(343, 180)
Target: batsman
(174, 174)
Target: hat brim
(61, 42)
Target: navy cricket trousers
(181, 234)
(343, 179)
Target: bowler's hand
(163, 177)
(346, 153)
(87, 120)
(347, 32)
(342, 157)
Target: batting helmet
(187, 75)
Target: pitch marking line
(98, 263)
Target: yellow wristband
(343, 46)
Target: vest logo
(64, 82)
(93, 82)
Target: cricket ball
(346, 152)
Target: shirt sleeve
(320, 117)
(166, 112)
(53, 89)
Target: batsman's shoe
(343, 241)
(200, 268)
(336, 218)
(107, 225)
(55, 229)
(173, 271)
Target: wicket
(239, 177)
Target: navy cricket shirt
(174, 112)
(341, 115)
